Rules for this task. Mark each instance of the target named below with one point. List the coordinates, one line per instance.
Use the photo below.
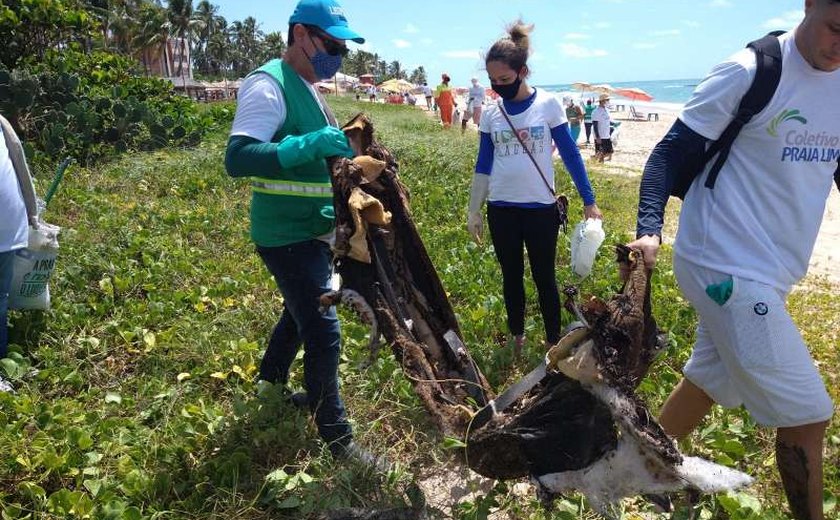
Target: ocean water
(668, 93)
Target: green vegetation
(70, 83)
(143, 404)
(90, 106)
(74, 73)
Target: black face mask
(509, 90)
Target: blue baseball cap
(327, 15)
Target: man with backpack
(747, 229)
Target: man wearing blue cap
(281, 136)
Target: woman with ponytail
(514, 173)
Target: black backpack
(768, 53)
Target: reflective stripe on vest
(293, 188)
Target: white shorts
(748, 351)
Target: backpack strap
(768, 54)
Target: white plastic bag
(32, 268)
(586, 239)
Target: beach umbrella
(633, 93)
(603, 88)
(396, 85)
(582, 86)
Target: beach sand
(636, 140)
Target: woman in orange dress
(445, 100)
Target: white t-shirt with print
(514, 177)
(261, 108)
(14, 226)
(762, 218)
(427, 90)
(601, 116)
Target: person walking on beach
(445, 100)
(587, 118)
(427, 93)
(742, 246)
(602, 127)
(371, 92)
(14, 226)
(574, 115)
(521, 205)
(475, 101)
(282, 133)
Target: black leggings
(536, 229)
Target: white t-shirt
(427, 90)
(601, 116)
(514, 177)
(761, 219)
(14, 226)
(261, 108)
(476, 94)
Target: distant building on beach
(174, 54)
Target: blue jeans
(302, 272)
(6, 262)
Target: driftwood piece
(401, 285)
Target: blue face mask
(325, 65)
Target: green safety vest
(295, 204)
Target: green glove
(295, 150)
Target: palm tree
(395, 70)
(182, 25)
(361, 63)
(380, 67)
(122, 24)
(151, 35)
(272, 46)
(247, 37)
(418, 75)
(206, 14)
(218, 52)
(100, 11)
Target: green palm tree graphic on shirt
(785, 115)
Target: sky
(597, 41)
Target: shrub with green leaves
(89, 106)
